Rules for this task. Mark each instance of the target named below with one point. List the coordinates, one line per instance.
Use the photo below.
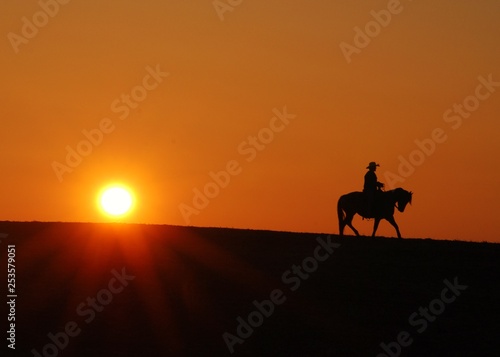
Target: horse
(355, 202)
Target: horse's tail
(341, 216)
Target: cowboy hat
(372, 164)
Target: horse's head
(403, 197)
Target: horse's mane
(403, 194)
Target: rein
(396, 202)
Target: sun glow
(116, 200)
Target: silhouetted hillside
(147, 290)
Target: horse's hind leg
(375, 226)
(341, 226)
(348, 221)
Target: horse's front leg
(392, 221)
(375, 226)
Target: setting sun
(116, 200)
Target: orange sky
(177, 87)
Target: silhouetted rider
(372, 187)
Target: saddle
(371, 203)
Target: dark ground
(183, 288)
